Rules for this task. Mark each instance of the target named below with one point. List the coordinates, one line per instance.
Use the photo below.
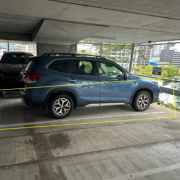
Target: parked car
(11, 64)
(62, 82)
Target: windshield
(14, 58)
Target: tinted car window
(14, 58)
(59, 66)
(81, 67)
(31, 66)
(106, 69)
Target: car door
(86, 83)
(114, 88)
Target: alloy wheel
(62, 106)
(143, 101)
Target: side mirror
(125, 76)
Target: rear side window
(59, 66)
(30, 67)
(82, 67)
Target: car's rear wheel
(60, 106)
(141, 101)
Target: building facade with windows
(176, 59)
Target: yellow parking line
(12, 89)
(86, 123)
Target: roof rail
(71, 54)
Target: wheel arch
(58, 91)
(149, 90)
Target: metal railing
(168, 90)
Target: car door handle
(72, 80)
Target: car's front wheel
(141, 101)
(60, 106)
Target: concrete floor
(143, 149)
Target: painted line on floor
(148, 172)
(86, 123)
(100, 82)
(92, 122)
(55, 121)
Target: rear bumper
(23, 98)
(31, 99)
(28, 100)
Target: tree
(1, 47)
(166, 71)
(83, 51)
(118, 51)
(107, 50)
(143, 70)
(170, 71)
(121, 51)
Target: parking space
(78, 52)
(15, 114)
(141, 149)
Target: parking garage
(104, 141)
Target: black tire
(141, 101)
(61, 112)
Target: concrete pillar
(131, 60)
(51, 48)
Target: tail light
(29, 103)
(32, 78)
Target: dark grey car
(11, 64)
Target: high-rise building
(144, 53)
(156, 51)
(176, 59)
(167, 54)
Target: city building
(163, 63)
(176, 59)
(167, 54)
(32, 49)
(13, 47)
(4, 45)
(17, 46)
(156, 52)
(23, 48)
(144, 53)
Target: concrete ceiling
(66, 22)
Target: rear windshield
(14, 58)
(30, 67)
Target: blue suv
(61, 82)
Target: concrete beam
(15, 36)
(51, 48)
(67, 22)
(64, 33)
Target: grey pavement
(141, 149)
